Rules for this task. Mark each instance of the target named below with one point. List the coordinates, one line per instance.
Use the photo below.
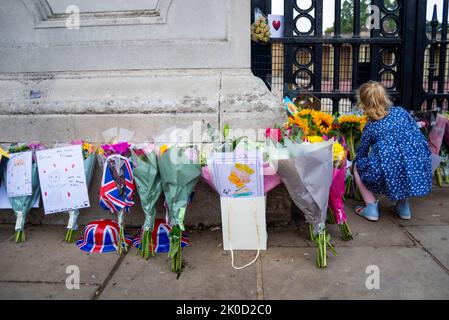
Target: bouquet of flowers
(444, 166)
(89, 151)
(117, 185)
(306, 169)
(446, 131)
(271, 179)
(351, 127)
(336, 209)
(260, 30)
(4, 157)
(22, 205)
(180, 170)
(149, 188)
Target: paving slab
(208, 274)
(288, 236)
(405, 273)
(383, 233)
(435, 239)
(6, 232)
(429, 211)
(45, 257)
(44, 291)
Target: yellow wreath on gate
(3, 153)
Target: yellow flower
(3, 153)
(163, 149)
(304, 112)
(349, 118)
(353, 119)
(315, 139)
(323, 121)
(301, 123)
(90, 148)
(363, 122)
(339, 153)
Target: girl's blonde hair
(374, 100)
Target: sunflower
(353, 120)
(315, 139)
(305, 112)
(322, 121)
(363, 121)
(301, 123)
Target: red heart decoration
(68, 193)
(65, 170)
(73, 165)
(45, 193)
(276, 24)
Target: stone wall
(141, 65)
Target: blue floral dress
(394, 157)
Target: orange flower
(323, 121)
(301, 123)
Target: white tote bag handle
(230, 244)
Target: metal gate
(407, 53)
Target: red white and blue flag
(160, 236)
(110, 197)
(101, 236)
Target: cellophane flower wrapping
(149, 188)
(436, 135)
(180, 170)
(336, 193)
(22, 205)
(4, 157)
(306, 171)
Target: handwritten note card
(18, 175)
(238, 174)
(62, 179)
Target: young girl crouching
(393, 158)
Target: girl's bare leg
(367, 195)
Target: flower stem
(330, 216)
(346, 233)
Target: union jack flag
(110, 197)
(101, 236)
(160, 236)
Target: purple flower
(121, 148)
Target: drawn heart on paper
(276, 24)
(68, 194)
(54, 165)
(45, 171)
(73, 166)
(45, 193)
(65, 170)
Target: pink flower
(121, 148)
(77, 142)
(274, 134)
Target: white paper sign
(4, 201)
(276, 23)
(18, 174)
(238, 174)
(62, 179)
